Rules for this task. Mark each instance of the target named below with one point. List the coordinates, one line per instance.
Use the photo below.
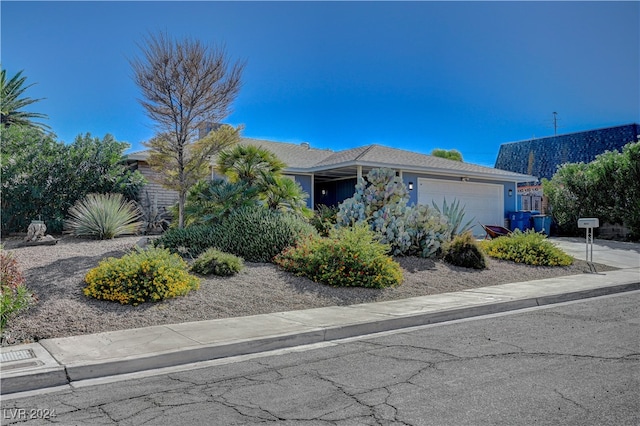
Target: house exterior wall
(338, 191)
(165, 197)
(510, 201)
(335, 192)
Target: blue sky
(411, 75)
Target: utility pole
(555, 123)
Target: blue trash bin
(520, 220)
(542, 223)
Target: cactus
(381, 201)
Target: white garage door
(483, 202)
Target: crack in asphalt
(565, 398)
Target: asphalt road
(570, 364)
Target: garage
(483, 202)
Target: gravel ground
(55, 274)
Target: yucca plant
(455, 216)
(103, 216)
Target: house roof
(372, 156)
(297, 157)
(541, 157)
(302, 158)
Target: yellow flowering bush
(527, 247)
(140, 276)
(349, 257)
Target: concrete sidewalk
(56, 362)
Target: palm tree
(282, 193)
(260, 169)
(247, 163)
(209, 202)
(11, 102)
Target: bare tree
(184, 84)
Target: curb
(50, 372)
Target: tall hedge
(43, 178)
(606, 188)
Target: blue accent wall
(335, 192)
(510, 202)
(305, 183)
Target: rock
(143, 242)
(36, 230)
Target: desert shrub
(216, 262)
(349, 257)
(381, 202)
(14, 295)
(527, 247)
(140, 276)
(464, 251)
(190, 241)
(257, 234)
(103, 216)
(324, 219)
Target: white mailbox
(588, 222)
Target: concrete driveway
(613, 253)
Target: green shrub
(258, 234)
(254, 233)
(44, 177)
(14, 295)
(103, 216)
(216, 262)
(140, 276)
(349, 257)
(324, 219)
(606, 188)
(527, 247)
(464, 251)
(192, 240)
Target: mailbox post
(589, 223)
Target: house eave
(509, 177)
(439, 171)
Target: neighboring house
(329, 177)
(542, 156)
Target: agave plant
(154, 218)
(103, 216)
(455, 215)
